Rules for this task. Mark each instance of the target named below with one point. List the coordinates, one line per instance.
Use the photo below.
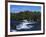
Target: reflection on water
(24, 25)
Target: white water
(23, 25)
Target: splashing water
(23, 25)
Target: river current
(24, 25)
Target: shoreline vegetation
(26, 15)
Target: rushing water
(24, 25)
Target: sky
(18, 8)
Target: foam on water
(23, 25)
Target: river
(24, 25)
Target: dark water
(24, 25)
